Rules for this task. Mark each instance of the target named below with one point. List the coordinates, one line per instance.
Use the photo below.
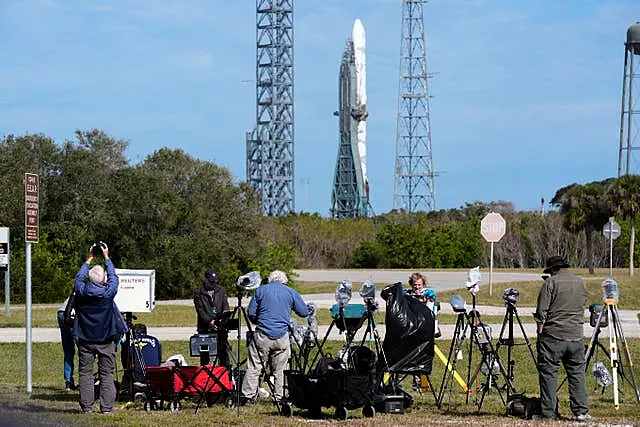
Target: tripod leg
(451, 359)
(613, 355)
(627, 354)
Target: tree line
(179, 215)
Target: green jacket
(561, 305)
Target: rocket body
(358, 38)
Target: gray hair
(278, 276)
(96, 275)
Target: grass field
(49, 404)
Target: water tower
(629, 155)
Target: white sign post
(611, 231)
(492, 228)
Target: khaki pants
(274, 352)
(552, 352)
(106, 353)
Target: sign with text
(31, 191)
(493, 227)
(136, 292)
(4, 247)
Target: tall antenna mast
(628, 161)
(414, 188)
(270, 149)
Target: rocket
(358, 39)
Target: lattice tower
(270, 146)
(414, 188)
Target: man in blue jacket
(98, 327)
(270, 310)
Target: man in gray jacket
(560, 317)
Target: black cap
(211, 275)
(555, 261)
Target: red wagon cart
(170, 384)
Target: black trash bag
(410, 326)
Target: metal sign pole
(491, 272)
(7, 290)
(28, 315)
(610, 251)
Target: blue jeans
(68, 347)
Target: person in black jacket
(210, 301)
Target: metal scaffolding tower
(413, 187)
(350, 195)
(628, 161)
(270, 149)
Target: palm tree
(625, 195)
(584, 208)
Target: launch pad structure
(414, 188)
(350, 195)
(270, 146)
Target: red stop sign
(493, 227)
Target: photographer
(560, 317)
(98, 327)
(210, 301)
(270, 309)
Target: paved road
(628, 319)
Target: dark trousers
(106, 353)
(552, 352)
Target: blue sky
(526, 98)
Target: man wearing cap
(270, 310)
(560, 317)
(210, 301)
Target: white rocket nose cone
(357, 33)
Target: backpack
(524, 407)
(70, 310)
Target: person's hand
(105, 250)
(212, 326)
(90, 258)
(539, 328)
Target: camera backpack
(70, 310)
(524, 407)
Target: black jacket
(205, 306)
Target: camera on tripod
(248, 282)
(511, 296)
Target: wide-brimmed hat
(555, 261)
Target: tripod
(133, 356)
(454, 352)
(490, 358)
(510, 343)
(610, 310)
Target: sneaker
(584, 417)
(263, 393)
(69, 386)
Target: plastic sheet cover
(410, 325)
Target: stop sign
(493, 227)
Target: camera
(97, 247)
(249, 281)
(511, 296)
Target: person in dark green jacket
(560, 318)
